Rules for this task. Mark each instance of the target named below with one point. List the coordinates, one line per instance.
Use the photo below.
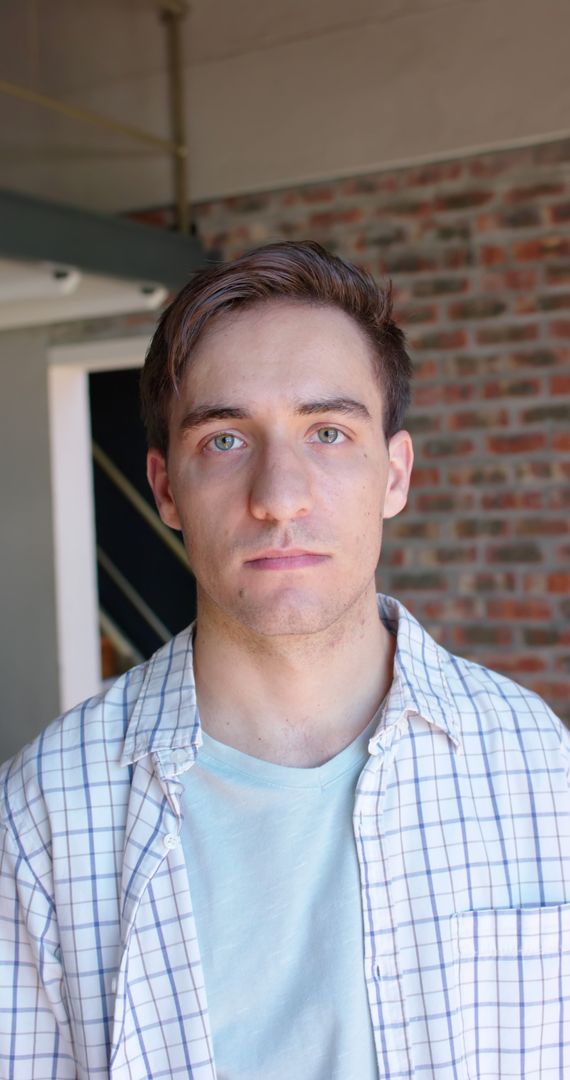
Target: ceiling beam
(96, 243)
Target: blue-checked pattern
(462, 826)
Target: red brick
(551, 690)
(444, 502)
(504, 333)
(535, 470)
(404, 529)
(482, 526)
(425, 369)
(560, 384)
(457, 607)
(449, 395)
(541, 414)
(435, 174)
(513, 608)
(482, 635)
(517, 663)
(457, 258)
(561, 442)
(553, 301)
(380, 237)
(519, 552)
(559, 214)
(426, 580)
(450, 447)
(463, 200)
(534, 191)
(407, 262)
(484, 418)
(439, 286)
(319, 194)
(406, 207)
(545, 636)
(491, 165)
(487, 582)
(413, 314)
(443, 232)
(558, 274)
(511, 388)
(557, 582)
(424, 476)
(541, 526)
(492, 255)
(512, 500)
(540, 358)
(369, 185)
(519, 217)
(519, 443)
(325, 219)
(542, 247)
(478, 307)
(479, 475)
(524, 278)
(440, 339)
(419, 424)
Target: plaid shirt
(462, 826)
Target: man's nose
(281, 488)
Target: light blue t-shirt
(275, 883)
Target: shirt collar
(419, 686)
(165, 719)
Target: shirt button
(170, 840)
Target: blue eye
(329, 435)
(225, 441)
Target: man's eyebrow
(205, 414)
(344, 405)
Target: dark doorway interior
(146, 593)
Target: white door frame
(77, 607)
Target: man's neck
(293, 701)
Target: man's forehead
(306, 351)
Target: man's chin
(290, 615)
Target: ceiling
(278, 92)
(65, 46)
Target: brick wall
(478, 251)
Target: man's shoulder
(487, 702)
(82, 746)
(467, 698)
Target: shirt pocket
(514, 991)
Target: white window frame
(77, 604)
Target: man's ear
(157, 475)
(401, 454)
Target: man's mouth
(285, 559)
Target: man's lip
(283, 553)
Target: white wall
(29, 684)
(286, 92)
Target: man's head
(301, 272)
(274, 396)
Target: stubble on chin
(304, 622)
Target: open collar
(165, 720)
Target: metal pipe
(172, 15)
(93, 118)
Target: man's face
(278, 473)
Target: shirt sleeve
(35, 1037)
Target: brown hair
(302, 272)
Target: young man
(302, 842)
